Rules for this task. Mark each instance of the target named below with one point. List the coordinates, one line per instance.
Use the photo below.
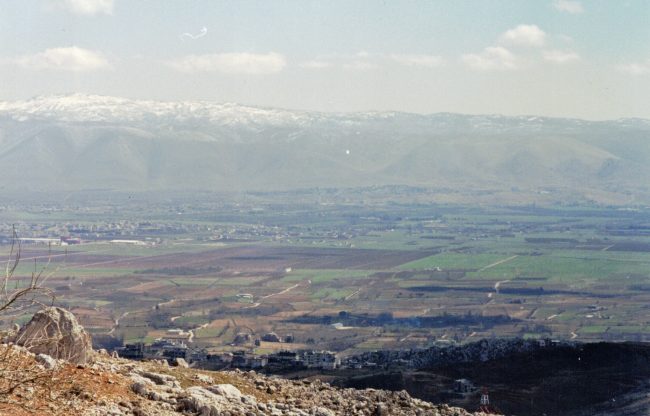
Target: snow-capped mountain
(105, 109)
(89, 141)
(97, 108)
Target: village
(179, 353)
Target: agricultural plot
(337, 277)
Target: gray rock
(322, 411)
(204, 378)
(47, 361)
(57, 333)
(140, 388)
(226, 390)
(161, 379)
(137, 378)
(202, 401)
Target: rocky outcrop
(275, 396)
(118, 387)
(56, 332)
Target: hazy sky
(588, 59)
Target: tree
(23, 295)
(24, 382)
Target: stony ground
(114, 386)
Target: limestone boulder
(46, 361)
(202, 401)
(226, 390)
(56, 332)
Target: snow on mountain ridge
(96, 108)
(108, 109)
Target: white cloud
(428, 61)
(559, 56)
(568, 6)
(641, 68)
(87, 7)
(316, 64)
(359, 65)
(231, 63)
(525, 35)
(70, 58)
(492, 58)
(360, 61)
(364, 61)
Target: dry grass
(24, 384)
(27, 389)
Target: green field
(564, 272)
(453, 261)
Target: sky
(561, 58)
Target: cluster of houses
(282, 360)
(116, 232)
(172, 349)
(175, 346)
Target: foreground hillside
(113, 386)
(48, 366)
(93, 142)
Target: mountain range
(76, 142)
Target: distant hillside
(83, 142)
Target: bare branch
(20, 298)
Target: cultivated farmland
(345, 276)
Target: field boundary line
(496, 263)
